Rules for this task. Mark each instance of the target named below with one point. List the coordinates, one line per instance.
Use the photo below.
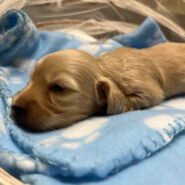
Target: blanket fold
(16, 31)
(92, 149)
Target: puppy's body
(146, 76)
(70, 85)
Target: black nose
(16, 112)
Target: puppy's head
(64, 87)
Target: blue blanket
(99, 150)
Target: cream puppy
(70, 85)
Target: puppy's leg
(144, 98)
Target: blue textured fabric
(99, 150)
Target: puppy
(70, 85)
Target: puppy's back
(163, 63)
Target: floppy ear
(107, 93)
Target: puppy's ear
(107, 93)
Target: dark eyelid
(65, 84)
(56, 88)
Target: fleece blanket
(98, 150)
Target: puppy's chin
(30, 124)
(27, 124)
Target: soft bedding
(139, 147)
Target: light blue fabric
(99, 150)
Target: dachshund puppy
(70, 85)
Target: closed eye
(56, 88)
